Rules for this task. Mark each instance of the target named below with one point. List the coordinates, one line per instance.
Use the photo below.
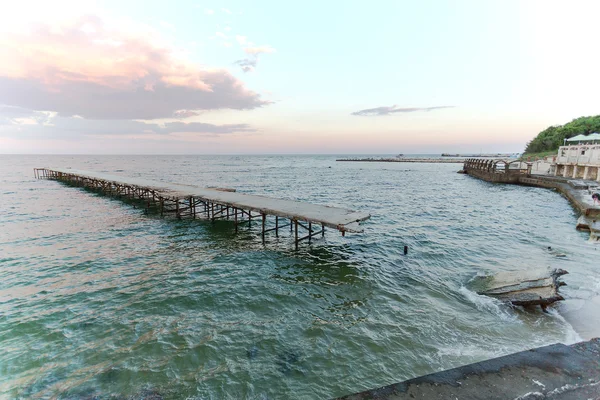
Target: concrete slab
(536, 286)
(551, 372)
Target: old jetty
(213, 204)
(526, 288)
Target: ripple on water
(97, 298)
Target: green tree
(553, 137)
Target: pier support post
(296, 233)
(276, 226)
(586, 172)
(575, 168)
(264, 222)
(235, 210)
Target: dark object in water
(252, 352)
(530, 288)
(286, 360)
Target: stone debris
(530, 288)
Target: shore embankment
(556, 371)
(407, 160)
(578, 191)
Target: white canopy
(584, 138)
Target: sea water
(99, 298)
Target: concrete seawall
(551, 372)
(576, 190)
(576, 196)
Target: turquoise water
(99, 299)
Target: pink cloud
(88, 68)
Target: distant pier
(406, 160)
(214, 204)
(497, 155)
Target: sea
(101, 299)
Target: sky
(273, 77)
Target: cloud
(185, 113)
(208, 11)
(394, 109)
(14, 112)
(226, 11)
(241, 39)
(249, 64)
(95, 70)
(10, 115)
(35, 124)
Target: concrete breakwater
(407, 160)
(497, 155)
(578, 191)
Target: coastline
(580, 313)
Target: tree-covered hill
(551, 138)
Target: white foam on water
(531, 396)
(571, 336)
(489, 304)
(596, 284)
(478, 275)
(472, 352)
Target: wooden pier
(188, 201)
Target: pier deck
(212, 204)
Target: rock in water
(529, 288)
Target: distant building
(580, 158)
